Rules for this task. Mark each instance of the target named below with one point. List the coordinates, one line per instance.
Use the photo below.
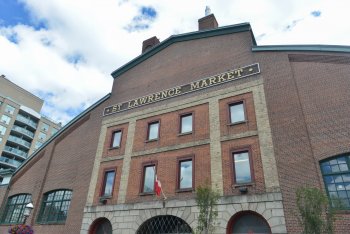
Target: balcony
(15, 152)
(23, 131)
(19, 141)
(9, 162)
(26, 121)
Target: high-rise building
(22, 128)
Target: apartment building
(22, 128)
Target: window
(55, 206)
(108, 184)
(44, 127)
(53, 131)
(336, 176)
(186, 123)
(9, 109)
(5, 119)
(242, 167)
(116, 139)
(2, 130)
(185, 174)
(15, 207)
(37, 145)
(42, 136)
(237, 114)
(153, 131)
(148, 178)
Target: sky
(64, 51)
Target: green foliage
(206, 199)
(316, 214)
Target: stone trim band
(184, 89)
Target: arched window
(14, 209)
(54, 207)
(336, 177)
(248, 222)
(101, 226)
(164, 224)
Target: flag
(157, 186)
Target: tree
(316, 213)
(206, 199)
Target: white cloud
(69, 62)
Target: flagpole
(164, 197)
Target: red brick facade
(296, 115)
(65, 163)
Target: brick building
(254, 122)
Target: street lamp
(27, 210)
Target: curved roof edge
(315, 48)
(184, 37)
(68, 125)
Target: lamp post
(27, 210)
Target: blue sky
(64, 50)
(12, 13)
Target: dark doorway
(248, 222)
(101, 226)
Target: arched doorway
(164, 224)
(101, 226)
(248, 222)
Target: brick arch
(239, 214)
(94, 225)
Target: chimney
(207, 22)
(149, 43)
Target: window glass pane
(53, 131)
(237, 112)
(186, 123)
(148, 185)
(2, 130)
(326, 169)
(37, 145)
(343, 167)
(186, 174)
(335, 168)
(337, 179)
(42, 136)
(5, 119)
(116, 139)
(153, 131)
(346, 177)
(242, 168)
(333, 162)
(109, 181)
(331, 187)
(10, 109)
(44, 127)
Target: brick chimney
(207, 22)
(149, 43)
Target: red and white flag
(157, 186)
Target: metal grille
(164, 224)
